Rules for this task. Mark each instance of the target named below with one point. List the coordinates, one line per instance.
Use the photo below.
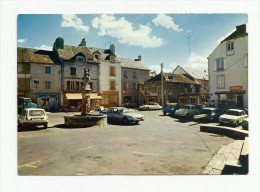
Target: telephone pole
(162, 95)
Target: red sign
(235, 88)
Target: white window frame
(36, 85)
(220, 64)
(220, 82)
(134, 86)
(134, 75)
(125, 85)
(125, 74)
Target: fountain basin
(88, 120)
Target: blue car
(170, 108)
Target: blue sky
(158, 38)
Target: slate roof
(131, 63)
(29, 55)
(240, 32)
(105, 53)
(171, 77)
(69, 52)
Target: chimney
(58, 44)
(112, 49)
(83, 43)
(241, 29)
(139, 58)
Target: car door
(117, 116)
(22, 116)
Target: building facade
(177, 88)
(200, 77)
(39, 78)
(133, 74)
(228, 70)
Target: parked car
(245, 124)
(187, 111)
(23, 103)
(33, 117)
(150, 106)
(233, 117)
(122, 115)
(170, 108)
(209, 114)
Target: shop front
(48, 101)
(231, 99)
(73, 101)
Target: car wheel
(136, 122)
(147, 108)
(237, 123)
(45, 126)
(164, 113)
(125, 121)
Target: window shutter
(225, 64)
(68, 85)
(77, 85)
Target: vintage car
(121, 115)
(233, 117)
(209, 114)
(187, 111)
(170, 108)
(150, 106)
(32, 117)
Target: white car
(233, 117)
(33, 117)
(150, 106)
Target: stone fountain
(86, 119)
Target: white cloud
(75, 22)
(197, 62)
(166, 68)
(44, 47)
(125, 32)
(166, 22)
(22, 40)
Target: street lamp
(162, 84)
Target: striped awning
(78, 96)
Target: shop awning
(231, 92)
(78, 96)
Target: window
(47, 69)
(230, 46)
(158, 90)
(72, 85)
(134, 86)
(221, 81)
(220, 64)
(80, 58)
(73, 71)
(125, 85)
(112, 58)
(36, 84)
(112, 85)
(47, 84)
(97, 57)
(125, 74)
(112, 71)
(134, 75)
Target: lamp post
(162, 95)
(85, 93)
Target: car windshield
(124, 110)
(235, 113)
(36, 113)
(206, 111)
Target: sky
(172, 39)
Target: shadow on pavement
(31, 128)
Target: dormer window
(80, 58)
(97, 57)
(112, 58)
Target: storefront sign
(235, 88)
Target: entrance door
(240, 102)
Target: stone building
(39, 77)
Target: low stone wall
(227, 131)
(85, 121)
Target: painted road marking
(30, 164)
(147, 153)
(89, 147)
